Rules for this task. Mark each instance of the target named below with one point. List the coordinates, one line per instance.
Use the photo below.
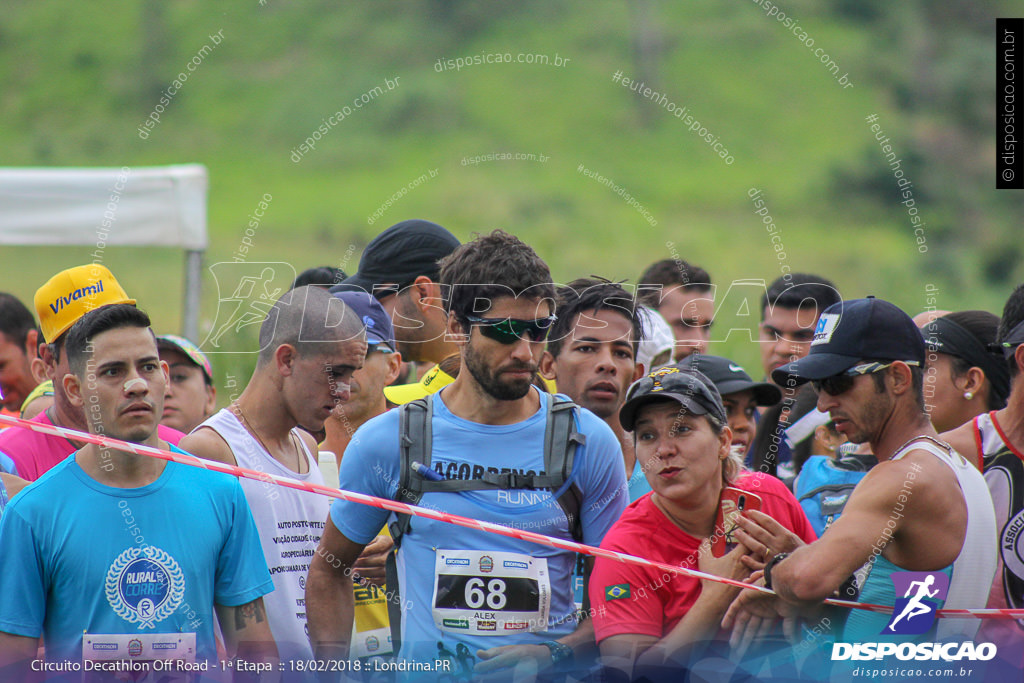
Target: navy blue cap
(853, 331)
(690, 388)
(401, 254)
(373, 316)
(730, 378)
(1013, 339)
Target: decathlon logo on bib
(487, 593)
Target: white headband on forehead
(131, 383)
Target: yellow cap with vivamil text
(72, 293)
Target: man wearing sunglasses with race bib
(475, 603)
(922, 509)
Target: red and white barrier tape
(395, 506)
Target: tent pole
(190, 312)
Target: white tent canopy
(163, 206)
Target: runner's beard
(491, 381)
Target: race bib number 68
(490, 593)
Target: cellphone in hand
(732, 503)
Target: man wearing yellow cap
(65, 298)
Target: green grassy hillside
(80, 80)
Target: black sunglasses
(511, 330)
(381, 292)
(843, 382)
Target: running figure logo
(245, 294)
(923, 593)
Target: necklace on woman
(661, 506)
(252, 430)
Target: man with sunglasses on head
(505, 604)
(400, 268)
(922, 508)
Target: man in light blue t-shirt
(116, 556)
(476, 602)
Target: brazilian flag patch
(616, 592)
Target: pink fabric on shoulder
(34, 453)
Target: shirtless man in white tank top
(310, 344)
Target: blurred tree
(647, 46)
(938, 61)
(153, 31)
(464, 19)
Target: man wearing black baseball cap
(400, 268)
(741, 395)
(923, 508)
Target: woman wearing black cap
(962, 377)
(644, 619)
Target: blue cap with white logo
(377, 321)
(850, 332)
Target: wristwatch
(560, 652)
(768, 568)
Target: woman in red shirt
(645, 618)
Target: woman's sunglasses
(511, 330)
(843, 382)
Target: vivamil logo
(61, 301)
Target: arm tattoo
(251, 612)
